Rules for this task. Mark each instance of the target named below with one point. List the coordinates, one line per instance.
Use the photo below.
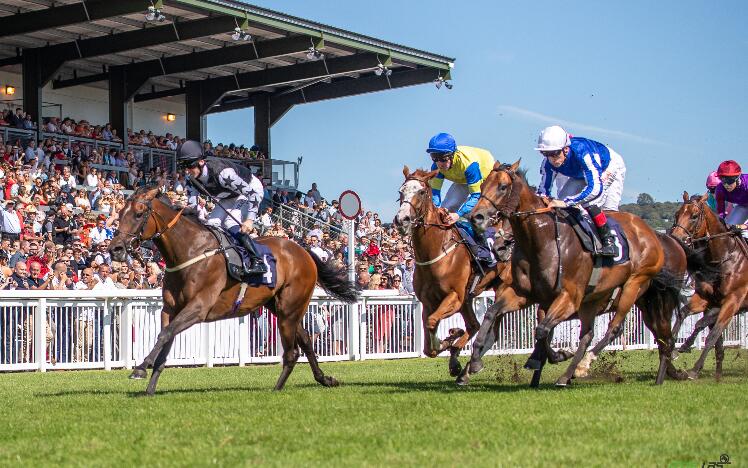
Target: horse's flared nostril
(477, 218)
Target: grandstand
(163, 66)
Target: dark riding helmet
(189, 153)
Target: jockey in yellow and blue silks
(466, 167)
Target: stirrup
(256, 266)
(609, 248)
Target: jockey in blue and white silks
(595, 177)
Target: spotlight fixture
(382, 70)
(441, 81)
(10, 90)
(240, 35)
(154, 12)
(313, 54)
(171, 117)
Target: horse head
(135, 223)
(499, 196)
(690, 221)
(415, 199)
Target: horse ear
(515, 166)
(704, 198)
(406, 171)
(432, 174)
(496, 166)
(686, 198)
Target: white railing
(43, 330)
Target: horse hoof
(562, 382)
(330, 381)
(476, 367)
(455, 370)
(692, 375)
(138, 374)
(581, 373)
(674, 355)
(684, 349)
(462, 381)
(533, 364)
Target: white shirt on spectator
(320, 252)
(106, 284)
(92, 180)
(266, 220)
(98, 236)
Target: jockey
(712, 181)
(238, 190)
(595, 174)
(733, 188)
(466, 167)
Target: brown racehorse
(443, 275)
(699, 228)
(198, 289)
(550, 268)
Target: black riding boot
(256, 265)
(609, 241)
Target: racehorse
(443, 275)
(550, 268)
(197, 287)
(720, 248)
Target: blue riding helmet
(442, 143)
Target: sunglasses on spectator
(728, 180)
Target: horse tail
(664, 291)
(335, 281)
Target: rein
(708, 237)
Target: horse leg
(433, 346)
(158, 367)
(615, 329)
(695, 305)
(506, 300)
(472, 326)
(287, 328)
(184, 319)
(707, 320)
(585, 338)
(726, 312)
(306, 345)
(719, 354)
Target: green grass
(405, 412)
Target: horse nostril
(478, 218)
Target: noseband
(690, 240)
(136, 239)
(419, 220)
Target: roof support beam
(11, 61)
(32, 87)
(214, 88)
(158, 94)
(58, 54)
(65, 15)
(139, 73)
(79, 80)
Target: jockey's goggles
(728, 180)
(190, 163)
(441, 157)
(551, 154)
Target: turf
(401, 412)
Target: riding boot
(256, 265)
(609, 241)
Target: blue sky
(663, 83)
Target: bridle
(419, 220)
(133, 240)
(691, 241)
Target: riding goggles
(441, 157)
(728, 180)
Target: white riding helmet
(553, 138)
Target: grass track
(405, 412)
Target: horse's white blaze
(409, 190)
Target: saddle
(482, 255)
(588, 236)
(236, 258)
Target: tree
(645, 199)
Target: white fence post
(40, 334)
(125, 336)
(244, 339)
(354, 331)
(107, 335)
(207, 342)
(363, 324)
(418, 327)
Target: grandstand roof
(84, 41)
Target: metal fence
(47, 330)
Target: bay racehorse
(550, 268)
(197, 287)
(444, 275)
(723, 250)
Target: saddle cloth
(588, 235)
(236, 257)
